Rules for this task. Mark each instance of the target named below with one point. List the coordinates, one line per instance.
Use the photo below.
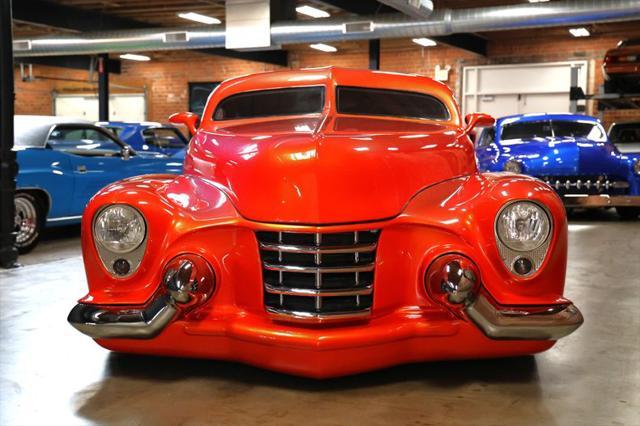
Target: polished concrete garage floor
(50, 374)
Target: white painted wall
(502, 90)
(129, 107)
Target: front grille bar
(317, 277)
(319, 270)
(362, 248)
(363, 291)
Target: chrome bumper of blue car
(595, 201)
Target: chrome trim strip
(361, 291)
(313, 317)
(524, 323)
(60, 219)
(603, 200)
(288, 248)
(319, 269)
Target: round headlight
(636, 167)
(119, 228)
(513, 166)
(523, 226)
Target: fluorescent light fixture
(538, 1)
(579, 32)
(323, 47)
(134, 57)
(312, 11)
(423, 41)
(203, 19)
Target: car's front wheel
(628, 213)
(28, 221)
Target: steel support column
(103, 87)
(374, 54)
(8, 164)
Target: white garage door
(502, 90)
(130, 107)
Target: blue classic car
(148, 136)
(63, 163)
(569, 152)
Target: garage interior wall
(166, 77)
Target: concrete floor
(50, 374)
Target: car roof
(132, 123)
(32, 130)
(544, 116)
(331, 77)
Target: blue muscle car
(148, 136)
(63, 163)
(569, 152)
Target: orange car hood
(327, 170)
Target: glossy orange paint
(416, 180)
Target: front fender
(173, 208)
(467, 208)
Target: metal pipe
(103, 87)
(441, 22)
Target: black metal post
(8, 163)
(374, 54)
(103, 87)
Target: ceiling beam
(70, 18)
(275, 57)
(56, 15)
(360, 7)
(465, 41)
(283, 10)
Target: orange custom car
(329, 221)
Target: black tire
(628, 213)
(29, 221)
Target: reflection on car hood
(323, 170)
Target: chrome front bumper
(184, 287)
(595, 201)
(531, 323)
(524, 323)
(110, 322)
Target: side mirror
(478, 120)
(125, 153)
(189, 119)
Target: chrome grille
(318, 276)
(591, 185)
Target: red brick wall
(165, 81)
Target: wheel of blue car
(28, 221)
(628, 213)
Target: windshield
(164, 137)
(553, 128)
(266, 103)
(625, 133)
(392, 103)
(527, 130)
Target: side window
(164, 138)
(487, 137)
(82, 141)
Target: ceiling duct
(419, 9)
(441, 22)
